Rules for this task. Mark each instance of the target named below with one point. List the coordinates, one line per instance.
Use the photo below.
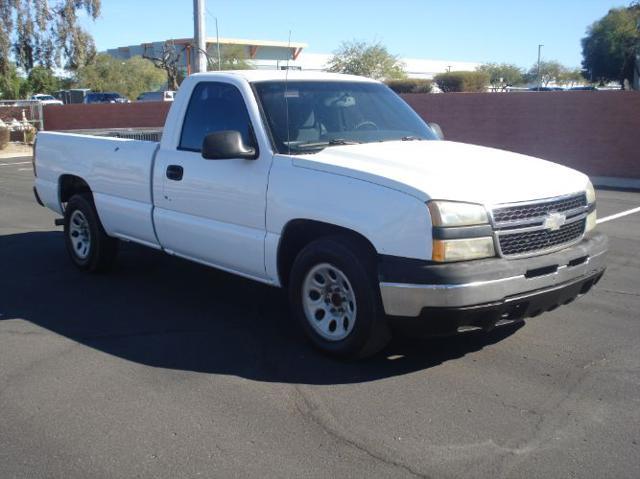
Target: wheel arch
(298, 233)
(69, 185)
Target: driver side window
(214, 107)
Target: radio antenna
(286, 94)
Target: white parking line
(25, 169)
(19, 163)
(618, 215)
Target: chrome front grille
(537, 210)
(523, 243)
(527, 229)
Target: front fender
(394, 222)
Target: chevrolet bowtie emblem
(554, 221)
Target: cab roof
(275, 75)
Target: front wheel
(89, 247)
(335, 298)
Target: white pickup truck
(333, 187)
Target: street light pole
(539, 77)
(199, 36)
(218, 46)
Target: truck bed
(117, 170)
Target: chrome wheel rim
(329, 302)
(79, 234)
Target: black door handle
(174, 172)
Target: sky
(461, 30)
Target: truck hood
(448, 170)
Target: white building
(415, 67)
(267, 54)
(260, 53)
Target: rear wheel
(335, 298)
(89, 247)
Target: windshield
(328, 113)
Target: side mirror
(437, 130)
(226, 145)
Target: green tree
(462, 81)
(232, 57)
(10, 83)
(366, 59)
(571, 77)
(502, 74)
(609, 50)
(551, 71)
(41, 80)
(47, 33)
(410, 85)
(129, 78)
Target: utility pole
(199, 36)
(539, 77)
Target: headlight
(591, 193)
(462, 249)
(451, 213)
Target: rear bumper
(491, 289)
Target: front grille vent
(523, 229)
(538, 241)
(538, 210)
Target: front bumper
(492, 289)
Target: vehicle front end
(464, 236)
(496, 264)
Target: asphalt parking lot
(168, 369)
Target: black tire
(101, 249)
(370, 331)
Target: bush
(462, 81)
(4, 137)
(411, 85)
(29, 136)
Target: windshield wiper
(410, 138)
(342, 141)
(323, 144)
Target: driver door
(213, 211)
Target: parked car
(46, 99)
(96, 97)
(333, 187)
(167, 95)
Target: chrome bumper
(408, 300)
